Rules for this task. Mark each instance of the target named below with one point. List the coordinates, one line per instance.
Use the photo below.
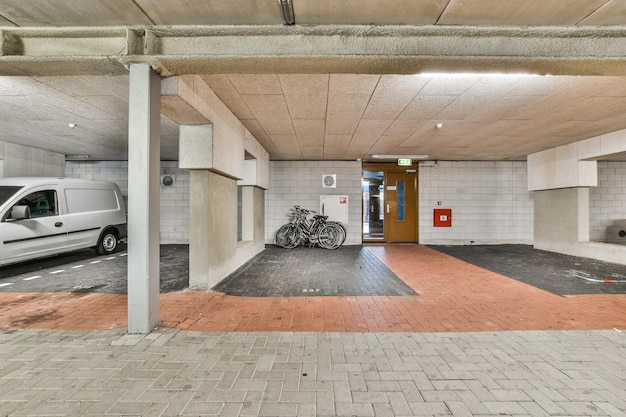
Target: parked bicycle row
(308, 228)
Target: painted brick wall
(489, 200)
(174, 199)
(300, 182)
(608, 200)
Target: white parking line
(63, 270)
(31, 278)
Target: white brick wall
(608, 200)
(174, 199)
(300, 183)
(489, 201)
(175, 205)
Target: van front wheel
(108, 243)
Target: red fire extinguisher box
(442, 217)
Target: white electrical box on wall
(617, 234)
(335, 207)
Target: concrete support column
(199, 229)
(561, 218)
(212, 227)
(143, 198)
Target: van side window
(41, 203)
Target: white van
(46, 216)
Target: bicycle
(316, 230)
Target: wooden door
(401, 206)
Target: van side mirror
(20, 213)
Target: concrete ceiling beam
(180, 50)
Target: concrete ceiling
(344, 105)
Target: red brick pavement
(453, 296)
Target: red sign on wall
(442, 217)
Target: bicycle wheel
(344, 232)
(288, 236)
(330, 236)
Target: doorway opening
(390, 209)
(373, 204)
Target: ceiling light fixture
(400, 156)
(76, 157)
(480, 74)
(286, 8)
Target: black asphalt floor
(351, 270)
(554, 272)
(304, 271)
(86, 271)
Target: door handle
(58, 224)
(372, 208)
(387, 208)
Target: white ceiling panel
(387, 144)
(335, 146)
(73, 13)
(344, 113)
(305, 95)
(224, 88)
(303, 84)
(211, 12)
(249, 84)
(368, 132)
(405, 126)
(310, 132)
(271, 112)
(528, 12)
(366, 12)
(352, 83)
(310, 12)
(332, 114)
(425, 107)
(288, 144)
(611, 13)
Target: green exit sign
(405, 162)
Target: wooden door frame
(386, 167)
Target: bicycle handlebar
(299, 209)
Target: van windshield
(7, 192)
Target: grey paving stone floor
(180, 373)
